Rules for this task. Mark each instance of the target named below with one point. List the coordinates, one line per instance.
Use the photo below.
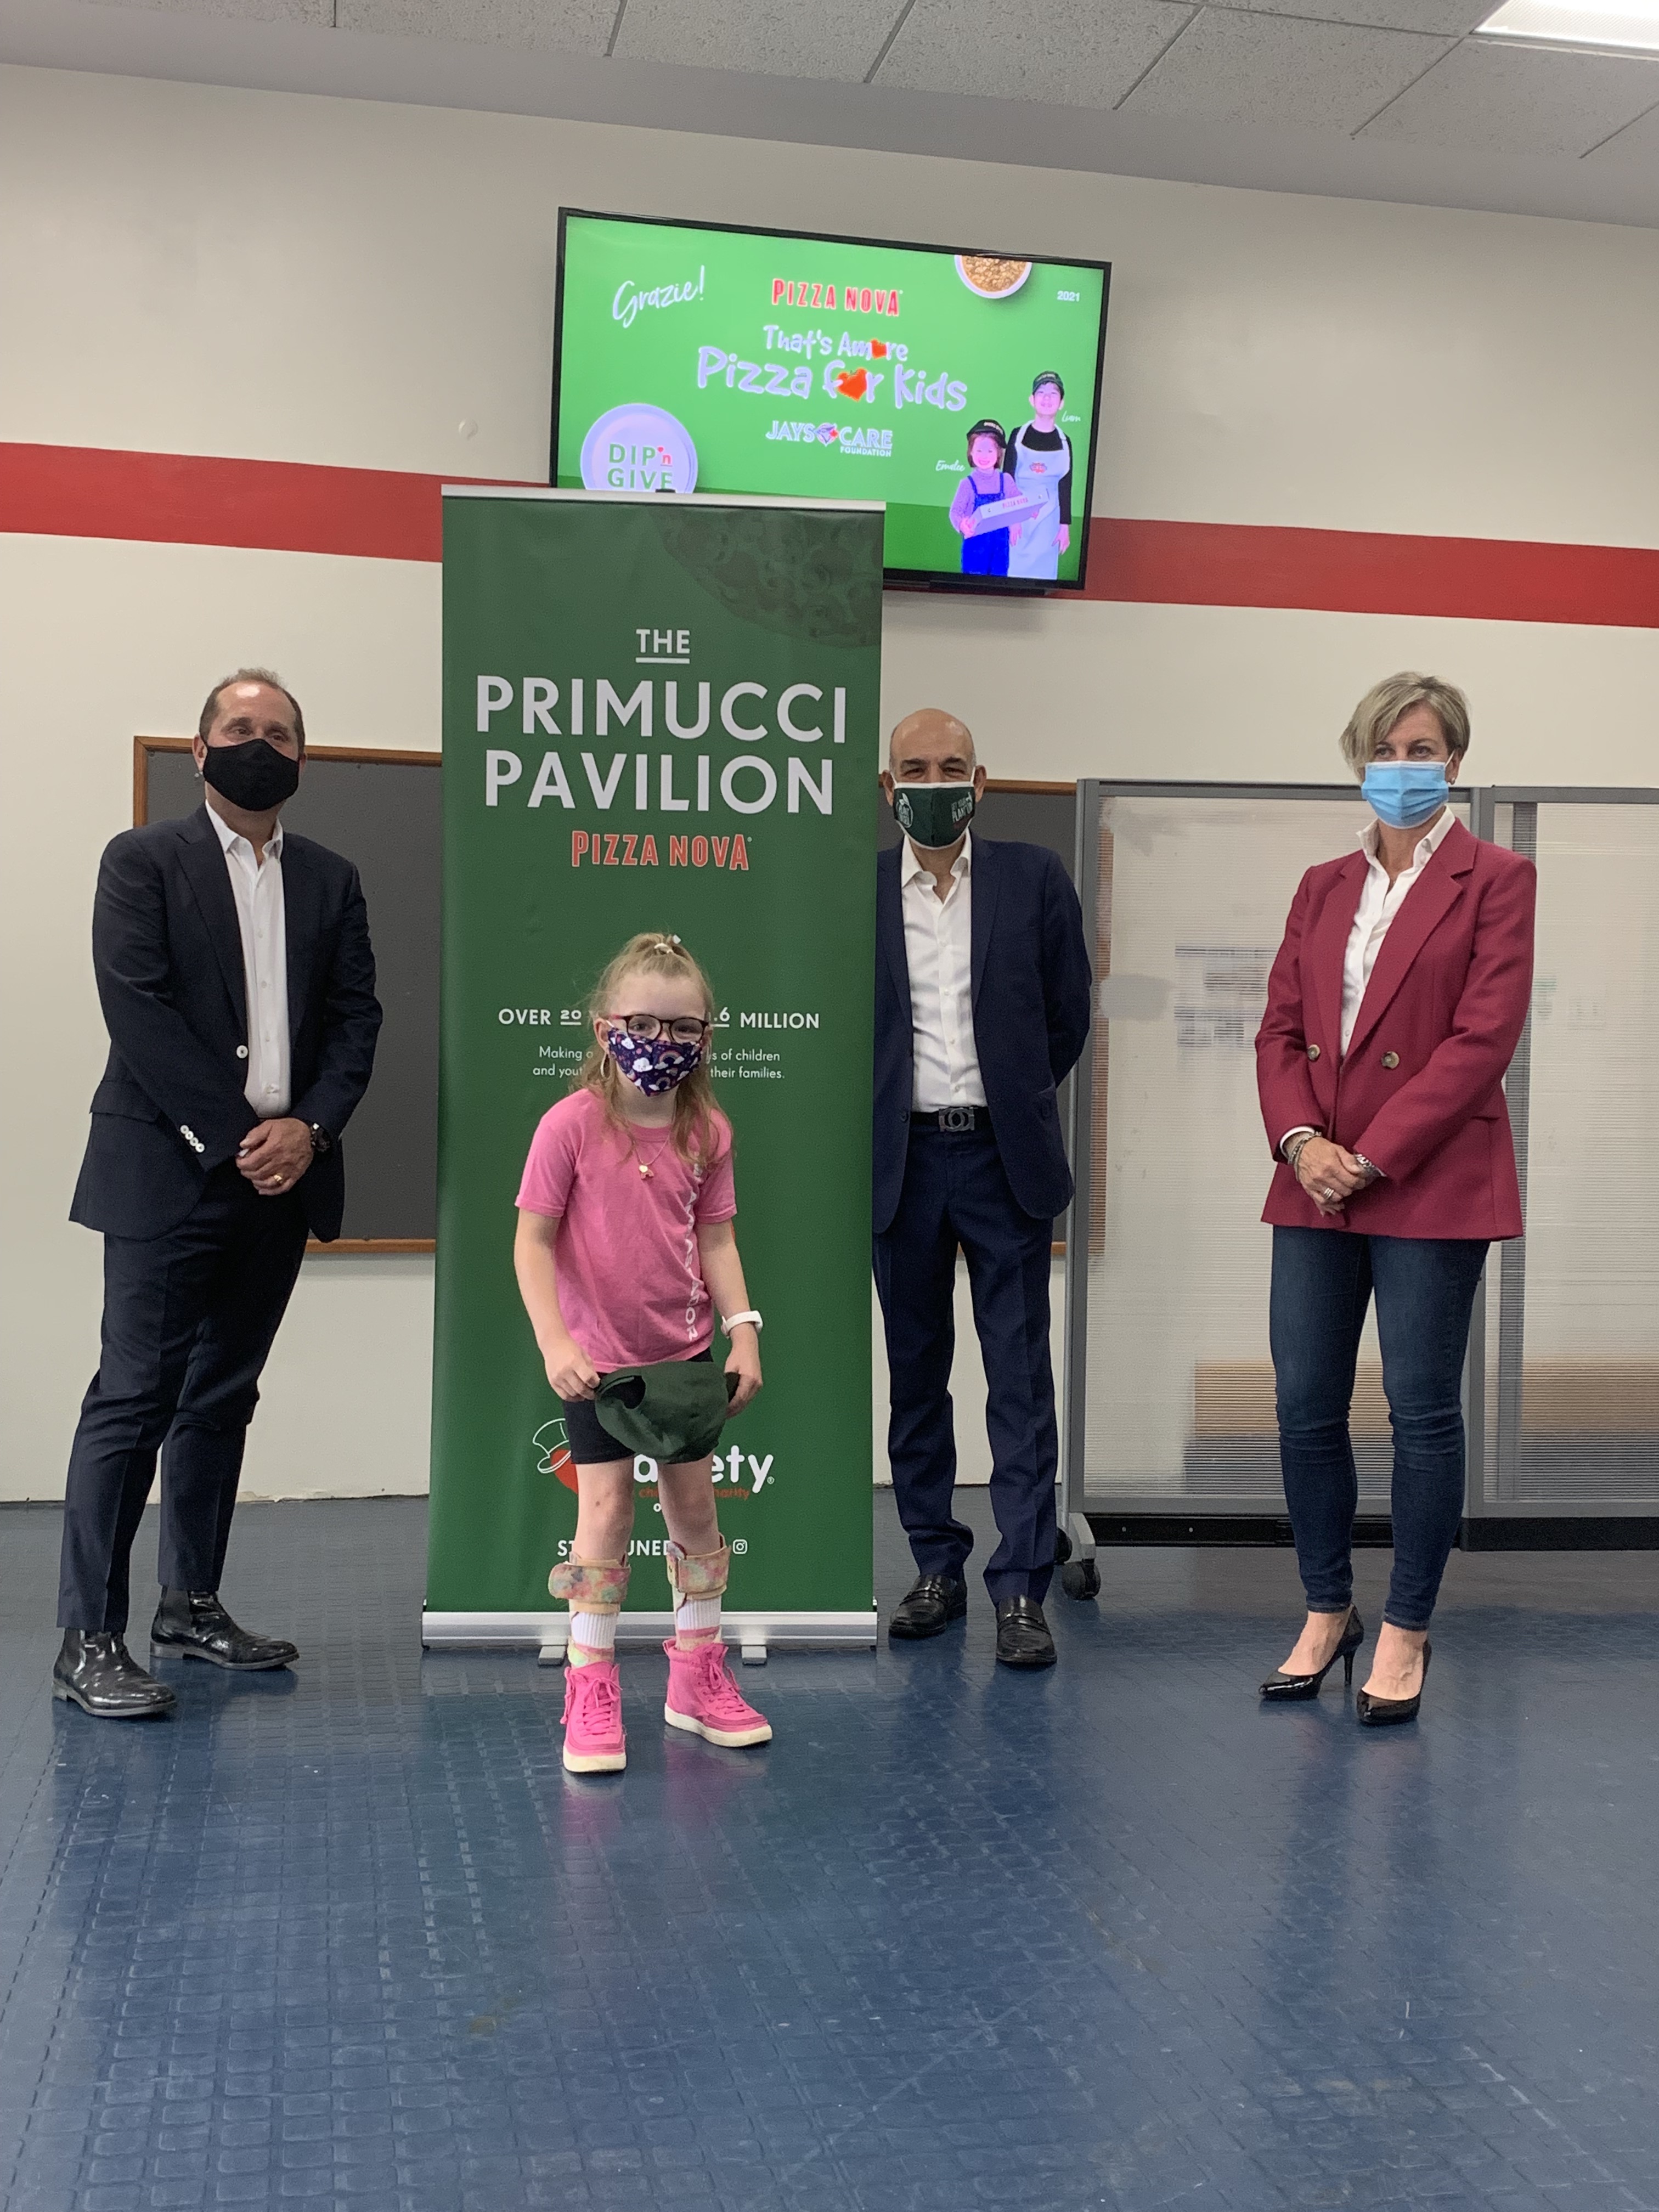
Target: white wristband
(732, 1321)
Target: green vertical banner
(660, 713)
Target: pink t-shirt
(630, 1278)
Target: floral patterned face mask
(652, 1065)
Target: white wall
(194, 270)
(100, 641)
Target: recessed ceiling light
(1626, 25)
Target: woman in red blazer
(1394, 1008)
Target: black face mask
(253, 775)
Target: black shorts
(592, 1443)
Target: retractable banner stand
(659, 712)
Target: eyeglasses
(683, 1028)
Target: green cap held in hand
(672, 1410)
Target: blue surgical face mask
(1405, 793)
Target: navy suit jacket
(168, 954)
(1032, 989)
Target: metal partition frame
(1500, 1522)
(1489, 1523)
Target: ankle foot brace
(590, 1585)
(696, 1574)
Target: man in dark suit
(237, 981)
(982, 1002)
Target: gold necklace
(644, 1166)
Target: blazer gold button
(1313, 1052)
(1391, 1059)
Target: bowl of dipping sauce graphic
(990, 275)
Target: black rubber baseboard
(1220, 1529)
(1530, 1532)
(1562, 1532)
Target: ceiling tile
(1487, 97)
(765, 37)
(569, 26)
(1282, 71)
(1080, 53)
(1635, 145)
(1443, 18)
(243, 11)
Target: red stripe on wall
(190, 499)
(1223, 564)
(69, 491)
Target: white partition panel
(1189, 887)
(1572, 1317)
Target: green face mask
(933, 814)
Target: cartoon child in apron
(1040, 460)
(984, 552)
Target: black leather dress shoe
(1022, 1638)
(95, 1671)
(928, 1607)
(193, 1624)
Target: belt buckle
(956, 1119)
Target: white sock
(697, 1615)
(596, 1632)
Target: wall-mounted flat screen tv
(960, 388)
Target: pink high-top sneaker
(704, 1700)
(594, 1739)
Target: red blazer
(1420, 1092)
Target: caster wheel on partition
(1062, 1547)
(1080, 1579)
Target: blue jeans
(1322, 1283)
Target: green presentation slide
(702, 358)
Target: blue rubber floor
(1109, 1936)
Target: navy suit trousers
(189, 1319)
(956, 1191)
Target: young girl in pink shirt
(626, 1254)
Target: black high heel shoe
(1385, 1712)
(1282, 1688)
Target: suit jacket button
(1391, 1059)
(1313, 1052)
(242, 1052)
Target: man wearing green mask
(982, 1000)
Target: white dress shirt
(262, 918)
(939, 948)
(1379, 903)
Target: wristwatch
(732, 1321)
(321, 1142)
